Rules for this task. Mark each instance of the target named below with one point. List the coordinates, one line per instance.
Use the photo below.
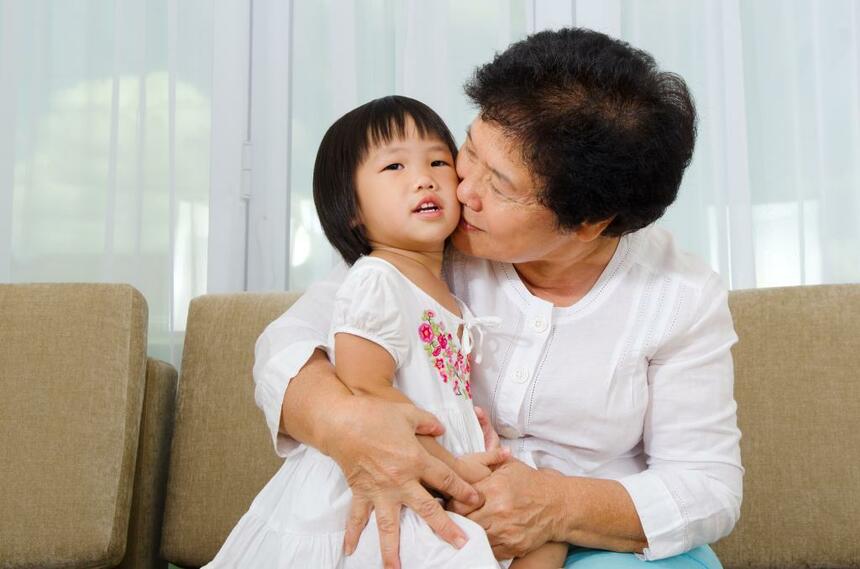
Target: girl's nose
(425, 182)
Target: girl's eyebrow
(394, 149)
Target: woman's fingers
(420, 501)
(388, 525)
(359, 512)
(442, 477)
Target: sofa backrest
(797, 383)
(72, 365)
(797, 369)
(221, 454)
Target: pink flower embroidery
(426, 333)
(443, 349)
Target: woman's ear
(589, 231)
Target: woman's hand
(374, 443)
(519, 508)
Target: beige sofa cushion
(797, 383)
(221, 454)
(72, 361)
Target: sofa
(85, 427)
(797, 385)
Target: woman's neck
(567, 276)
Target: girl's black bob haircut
(345, 146)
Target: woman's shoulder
(655, 250)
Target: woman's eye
(437, 163)
(395, 166)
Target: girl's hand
(491, 437)
(476, 466)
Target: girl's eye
(436, 163)
(395, 166)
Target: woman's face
(502, 219)
(407, 193)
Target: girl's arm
(367, 369)
(550, 555)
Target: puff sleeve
(369, 305)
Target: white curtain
(346, 52)
(104, 149)
(773, 195)
(170, 144)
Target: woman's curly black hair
(605, 133)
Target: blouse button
(521, 375)
(539, 324)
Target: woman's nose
(467, 196)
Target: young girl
(385, 191)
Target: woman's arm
(374, 443)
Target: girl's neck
(428, 260)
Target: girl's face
(407, 193)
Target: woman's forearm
(596, 513)
(306, 411)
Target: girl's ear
(357, 220)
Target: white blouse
(633, 382)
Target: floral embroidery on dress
(439, 344)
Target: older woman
(612, 371)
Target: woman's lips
(466, 226)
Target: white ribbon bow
(478, 325)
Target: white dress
(298, 518)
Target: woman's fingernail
(460, 542)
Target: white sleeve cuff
(271, 380)
(660, 515)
